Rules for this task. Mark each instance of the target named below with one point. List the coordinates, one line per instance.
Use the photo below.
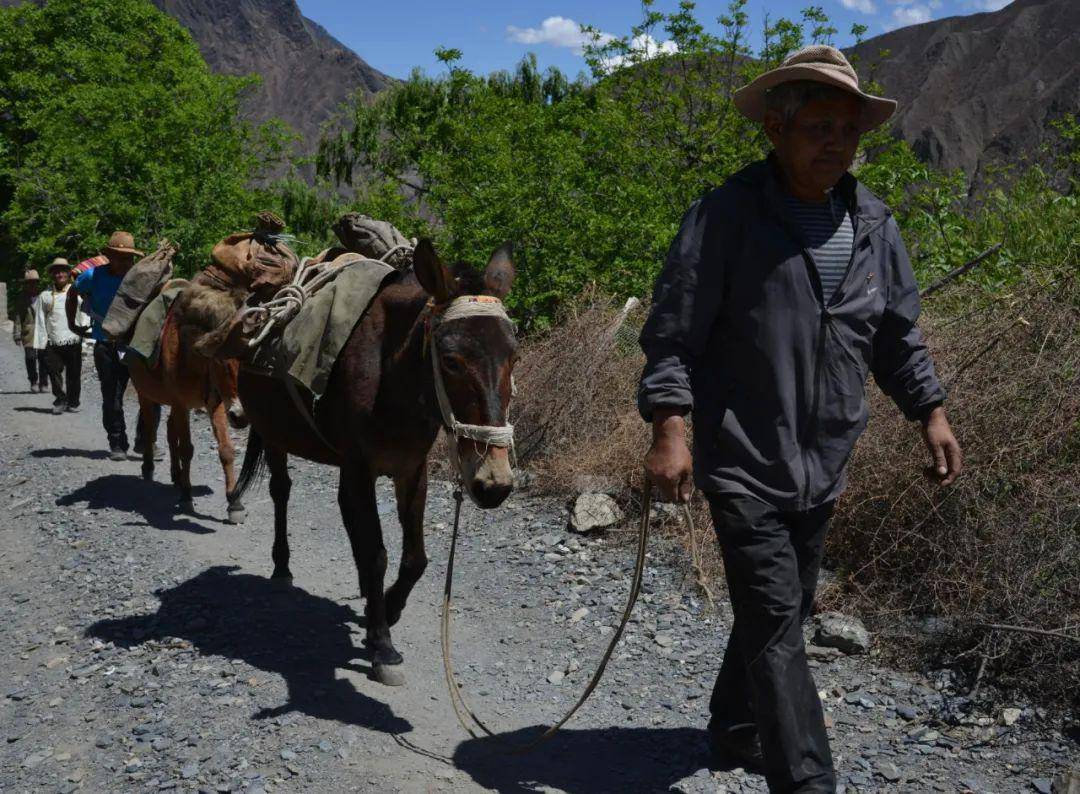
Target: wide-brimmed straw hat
(59, 264)
(819, 63)
(31, 275)
(121, 243)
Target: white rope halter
(459, 309)
(308, 279)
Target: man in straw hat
(27, 333)
(782, 292)
(97, 286)
(63, 353)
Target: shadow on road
(303, 638)
(586, 761)
(69, 452)
(33, 409)
(129, 493)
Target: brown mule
(183, 380)
(186, 376)
(380, 416)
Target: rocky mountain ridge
(981, 89)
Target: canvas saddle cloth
(307, 347)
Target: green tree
(110, 119)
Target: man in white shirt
(63, 353)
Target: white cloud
(565, 32)
(646, 46)
(865, 6)
(913, 14)
(556, 31)
(988, 5)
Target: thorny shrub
(999, 548)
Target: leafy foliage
(590, 176)
(110, 119)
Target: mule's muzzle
(487, 475)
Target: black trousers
(36, 370)
(113, 375)
(771, 560)
(65, 373)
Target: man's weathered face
(817, 146)
(61, 278)
(120, 261)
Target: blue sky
(396, 35)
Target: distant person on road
(97, 286)
(784, 289)
(28, 333)
(63, 353)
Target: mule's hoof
(281, 582)
(186, 506)
(389, 674)
(236, 516)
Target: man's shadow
(586, 761)
(288, 632)
(154, 501)
(33, 409)
(70, 452)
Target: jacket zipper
(823, 329)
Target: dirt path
(144, 650)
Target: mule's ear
(433, 275)
(499, 273)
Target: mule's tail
(254, 465)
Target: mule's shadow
(154, 501)
(70, 452)
(303, 638)
(586, 761)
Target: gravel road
(143, 650)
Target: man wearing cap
(97, 286)
(783, 291)
(27, 331)
(63, 353)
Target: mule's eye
(451, 364)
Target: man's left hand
(948, 460)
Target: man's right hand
(668, 462)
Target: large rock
(593, 511)
(841, 631)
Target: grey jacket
(776, 379)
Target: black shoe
(739, 748)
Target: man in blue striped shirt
(784, 289)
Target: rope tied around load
(309, 278)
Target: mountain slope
(306, 72)
(981, 89)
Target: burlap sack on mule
(137, 289)
(306, 349)
(146, 340)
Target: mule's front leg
(411, 494)
(280, 488)
(227, 456)
(147, 413)
(179, 426)
(360, 514)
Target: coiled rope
(287, 302)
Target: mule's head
(474, 350)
